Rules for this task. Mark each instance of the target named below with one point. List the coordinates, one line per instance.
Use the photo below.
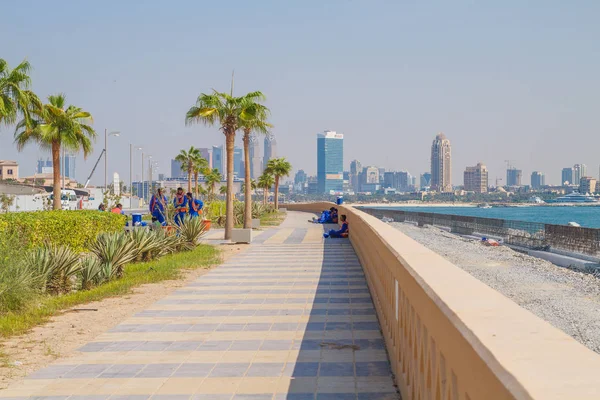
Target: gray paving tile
(86, 371)
(129, 397)
(215, 345)
(265, 369)
(89, 397)
(122, 371)
(295, 396)
(184, 346)
(194, 370)
(204, 327)
(253, 397)
(52, 372)
(257, 327)
(212, 397)
(336, 369)
(157, 371)
(122, 346)
(269, 345)
(301, 369)
(381, 368)
(170, 397)
(378, 396)
(336, 396)
(230, 327)
(154, 346)
(245, 345)
(229, 370)
(47, 397)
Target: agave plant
(147, 244)
(190, 231)
(91, 272)
(55, 267)
(114, 250)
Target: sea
(588, 216)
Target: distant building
(161, 177)
(579, 171)
(217, 155)
(270, 149)
(300, 177)
(9, 170)
(176, 171)
(330, 162)
(567, 176)
(425, 180)
(355, 170)
(513, 177)
(441, 164)
(538, 179)
(381, 175)
(44, 166)
(207, 155)
(371, 174)
(476, 179)
(587, 185)
(69, 165)
(404, 181)
(256, 161)
(390, 180)
(238, 157)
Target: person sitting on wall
(334, 215)
(118, 209)
(325, 218)
(341, 233)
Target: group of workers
(331, 217)
(185, 204)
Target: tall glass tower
(217, 158)
(330, 162)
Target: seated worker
(342, 233)
(158, 204)
(118, 209)
(180, 202)
(325, 218)
(195, 205)
(334, 215)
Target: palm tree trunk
(248, 181)
(276, 192)
(56, 203)
(196, 189)
(229, 144)
(190, 178)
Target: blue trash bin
(339, 200)
(136, 219)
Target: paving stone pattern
(291, 318)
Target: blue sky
(504, 80)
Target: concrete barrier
(449, 336)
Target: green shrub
(17, 282)
(75, 229)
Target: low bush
(75, 229)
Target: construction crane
(93, 169)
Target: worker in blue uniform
(158, 204)
(180, 202)
(195, 205)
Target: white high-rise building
(256, 162)
(579, 171)
(441, 164)
(270, 149)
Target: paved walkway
(291, 318)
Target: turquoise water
(585, 216)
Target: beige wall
(449, 336)
(4, 172)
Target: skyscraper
(44, 167)
(579, 171)
(425, 181)
(371, 174)
(207, 155)
(567, 176)
(69, 165)
(404, 181)
(176, 171)
(300, 177)
(217, 155)
(256, 164)
(513, 177)
(538, 179)
(270, 149)
(238, 157)
(441, 164)
(476, 179)
(355, 170)
(330, 162)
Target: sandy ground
(66, 332)
(569, 300)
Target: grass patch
(166, 268)
(272, 219)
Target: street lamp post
(106, 135)
(131, 173)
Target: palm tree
(211, 178)
(200, 165)
(223, 190)
(54, 126)
(187, 159)
(265, 182)
(278, 167)
(14, 96)
(253, 186)
(226, 111)
(254, 121)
